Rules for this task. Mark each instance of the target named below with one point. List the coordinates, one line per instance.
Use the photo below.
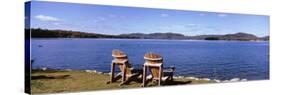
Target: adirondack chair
(128, 73)
(154, 63)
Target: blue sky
(119, 20)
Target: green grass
(72, 81)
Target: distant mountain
(44, 33)
(265, 38)
(204, 37)
(237, 36)
(156, 35)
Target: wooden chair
(127, 72)
(154, 63)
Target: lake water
(222, 60)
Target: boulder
(44, 69)
(243, 79)
(91, 71)
(206, 79)
(235, 80)
(217, 80)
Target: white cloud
(101, 18)
(95, 21)
(57, 23)
(222, 15)
(164, 15)
(191, 24)
(47, 18)
(202, 14)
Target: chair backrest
(121, 56)
(152, 58)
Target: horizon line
(145, 33)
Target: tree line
(45, 33)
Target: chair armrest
(169, 71)
(172, 68)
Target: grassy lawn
(71, 81)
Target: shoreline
(157, 39)
(45, 80)
(175, 77)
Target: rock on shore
(176, 77)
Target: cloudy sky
(118, 20)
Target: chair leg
(124, 74)
(160, 76)
(115, 78)
(144, 77)
(112, 72)
(172, 79)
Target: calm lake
(222, 60)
